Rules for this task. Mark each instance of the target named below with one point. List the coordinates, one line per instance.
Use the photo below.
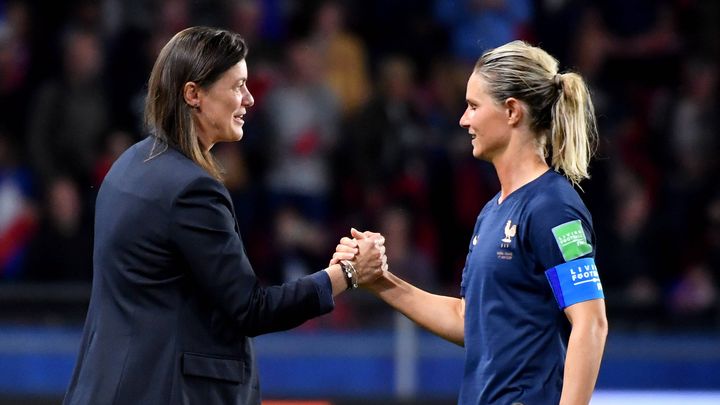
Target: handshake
(361, 258)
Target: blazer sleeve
(203, 230)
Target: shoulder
(554, 202)
(203, 187)
(559, 226)
(554, 192)
(151, 168)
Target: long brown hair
(196, 54)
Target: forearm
(441, 315)
(582, 363)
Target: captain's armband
(575, 281)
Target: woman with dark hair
(174, 298)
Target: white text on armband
(586, 272)
(575, 281)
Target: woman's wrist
(337, 279)
(351, 275)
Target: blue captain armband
(575, 281)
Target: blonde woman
(531, 313)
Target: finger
(343, 256)
(380, 248)
(365, 245)
(345, 248)
(369, 234)
(337, 257)
(374, 235)
(356, 234)
(380, 258)
(348, 242)
(384, 267)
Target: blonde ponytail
(573, 131)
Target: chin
(479, 155)
(238, 133)
(236, 136)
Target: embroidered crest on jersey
(510, 231)
(571, 240)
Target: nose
(248, 99)
(464, 121)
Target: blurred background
(356, 124)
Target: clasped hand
(366, 251)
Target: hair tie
(558, 81)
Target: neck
(518, 165)
(204, 140)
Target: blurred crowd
(356, 124)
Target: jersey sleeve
(563, 242)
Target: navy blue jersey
(529, 257)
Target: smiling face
(486, 121)
(221, 107)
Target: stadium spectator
(344, 57)
(388, 130)
(70, 115)
(15, 64)
(303, 123)
(477, 25)
(18, 214)
(62, 247)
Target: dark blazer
(174, 298)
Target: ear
(191, 93)
(515, 111)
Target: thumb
(357, 234)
